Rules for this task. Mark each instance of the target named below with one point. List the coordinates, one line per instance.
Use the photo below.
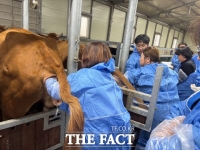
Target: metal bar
(137, 94)
(154, 34)
(117, 54)
(90, 24)
(167, 37)
(40, 17)
(173, 38)
(128, 32)
(110, 22)
(26, 119)
(138, 110)
(147, 24)
(68, 18)
(154, 97)
(147, 97)
(25, 16)
(134, 31)
(74, 35)
(137, 124)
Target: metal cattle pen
(43, 131)
(34, 132)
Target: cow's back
(24, 60)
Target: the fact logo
(104, 139)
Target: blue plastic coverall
(143, 79)
(133, 61)
(175, 63)
(192, 118)
(184, 90)
(101, 101)
(196, 61)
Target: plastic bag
(171, 135)
(166, 128)
(185, 135)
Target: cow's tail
(76, 120)
(129, 86)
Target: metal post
(25, 12)
(68, 18)
(127, 33)
(40, 17)
(74, 35)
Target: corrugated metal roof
(176, 13)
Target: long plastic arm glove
(166, 128)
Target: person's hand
(166, 128)
(56, 102)
(194, 88)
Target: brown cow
(63, 52)
(26, 60)
(62, 46)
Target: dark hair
(185, 51)
(153, 53)
(94, 53)
(142, 38)
(182, 43)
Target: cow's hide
(26, 60)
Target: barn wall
(140, 26)
(54, 16)
(190, 43)
(164, 36)
(170, 38)
(117, 27)
(55, 20)
(99, 28)
(11, 15)
(180, 38)
(150, 31)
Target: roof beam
(118, 1)
(169, 10)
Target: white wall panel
(163, 39)
(176, 34)
(170, 38)
(141, 26)
(100, 20)
(180, 38)
(158, 28)
(117, 27)
(86, 6)
(151, 31)
(54, 16)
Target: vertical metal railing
(74, 35)
(25, 14)
(128, 33)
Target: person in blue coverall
(175, 62)
(143, 79)
(133, 62)
(99, 95)
(188, 68)
(196, 59)
(174, 134)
